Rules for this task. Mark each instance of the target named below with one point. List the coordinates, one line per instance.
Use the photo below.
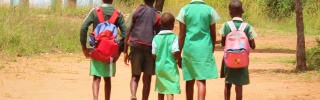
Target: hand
(180, 63)
(86, 53)
(126, 59)
(115, 58)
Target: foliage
(313, 57)
(26, 31)
(278, 8)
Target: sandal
(133, 98)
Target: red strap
(114, 16)
(100, 14)
(135, 14)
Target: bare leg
(134, 85)
(169, 96)
(146, 86)
(160, 96)
(95, 87)
(189, 89)
(227, 89)
(238, 92)
(107, 87)
(201, 89)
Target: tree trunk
(159, 4)
(301, 52)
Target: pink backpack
(236, 50)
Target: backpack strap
(114, 16)
(232, 26)
(100, 14)
(243, 26)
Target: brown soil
(66, 76)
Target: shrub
(313, 57)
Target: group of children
(155, 49)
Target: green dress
(198, 61)
(238, 76)
(167, 74)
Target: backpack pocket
(236, 58)
(106, 50)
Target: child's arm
(84, 31)
(223, 41)
(252, 44)
(252, 34)
(127, 35)
(178, 58)
(182, 36)
(153, 50)
(213, 36)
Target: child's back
(144, 20)
(236, 76)
(139, 37)
(165, 44)
(165, 49)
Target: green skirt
(102, 69)
(239, 76)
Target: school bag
(104, 38)
(146, 21)
(236, 50)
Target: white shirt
(175, 44)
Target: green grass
(28, 31)
(285, 60)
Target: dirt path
(65, 77)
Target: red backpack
(104, 38)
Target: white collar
(165, 32)
(197, 1)
(237, 19)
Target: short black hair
(149, 1)
(167, 20)
(235, 6)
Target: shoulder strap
(114, 16)
(232, 26)
(243, 26)
(100, 14)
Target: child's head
(235, 8)
(151, 2)
(107, 1)
(167, 21)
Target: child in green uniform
(239, 76)
(165, 49)
(100, 69)
(197, 38)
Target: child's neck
(240, 16)
(151, 5)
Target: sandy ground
(66, 77)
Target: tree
(301, 49)
(159, 4)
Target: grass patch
(2, 67)
(285, 60)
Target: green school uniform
(198, 62)
(167, 74)
(237, 76)
(98, 68)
